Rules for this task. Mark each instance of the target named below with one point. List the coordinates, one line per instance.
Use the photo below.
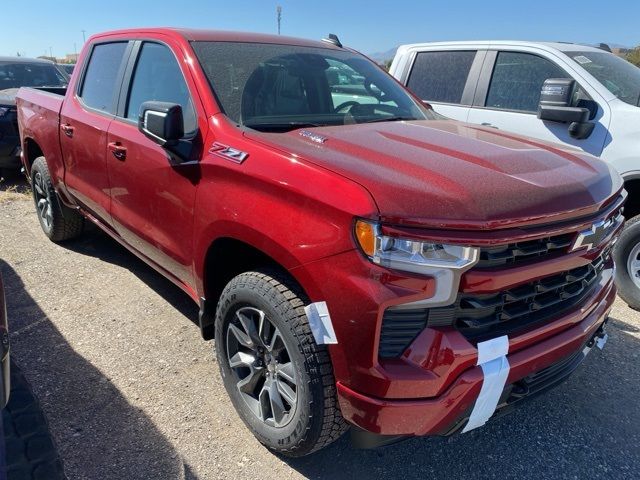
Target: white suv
(577, 95)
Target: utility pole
(84, 40)
(279, 12)
(51, 53)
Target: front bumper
(448, 412)
(433, 385)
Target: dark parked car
(16, 72)
(68, 68)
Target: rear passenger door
(84, 120)
(508, 94)
(446, 79)
(153, 196)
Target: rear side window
(441, 76)
(99, 84)
(158, 77)
(517, 80)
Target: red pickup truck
(360, 260)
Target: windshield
(282, 87)
(619, 76)
(19, 74)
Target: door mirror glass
(161, 122)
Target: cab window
(157, 77)
(102, 75)
(517, 81)
(441, 76)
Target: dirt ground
(131, 391)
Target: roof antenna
(333, 40)
(605, 47)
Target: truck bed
(39, 119)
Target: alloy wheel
(264, 372)
(43, 200)
(633, 265)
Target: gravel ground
(131, 391)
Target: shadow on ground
(63, 376)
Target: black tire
(628, 244)
(315, 421)
(30, 451)
(58, 221)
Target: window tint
(158, 77)
(517, 80)
(22, 74)
(619, 76)
(278, 88)
(99, 83)
(441, 76)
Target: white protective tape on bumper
(492, 358)
(320, 323)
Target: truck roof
(25, 60)
(562, 46)
(195, 35)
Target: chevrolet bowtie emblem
(594, 236)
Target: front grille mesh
(482, 316)
(479, 317)
(522, 251)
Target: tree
(633, 56)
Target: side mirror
(161, 122)
(555, 106)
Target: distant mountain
(383, 56)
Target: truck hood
(442, 173)
(8, 96)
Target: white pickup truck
(576, 95)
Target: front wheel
(280, 381)
(626, 255)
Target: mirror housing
(161, 122)
(555, 106)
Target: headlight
(444, 262)
(411, 255)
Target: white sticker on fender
(320, 323)
(492, 358)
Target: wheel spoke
(287, 393)
(242, 359)
(249, 383)
(276, 341)
(287, 372)
(39, 189)
(248, 323)
(242, 338)
(278, 410)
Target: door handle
(487, 124)
(118, 150)
(67, 130)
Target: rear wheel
(58, 221)
(626, 255)
(279, 380)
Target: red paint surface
(296, 200)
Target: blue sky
(369, 26)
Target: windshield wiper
(389, 119)
(284, 126)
